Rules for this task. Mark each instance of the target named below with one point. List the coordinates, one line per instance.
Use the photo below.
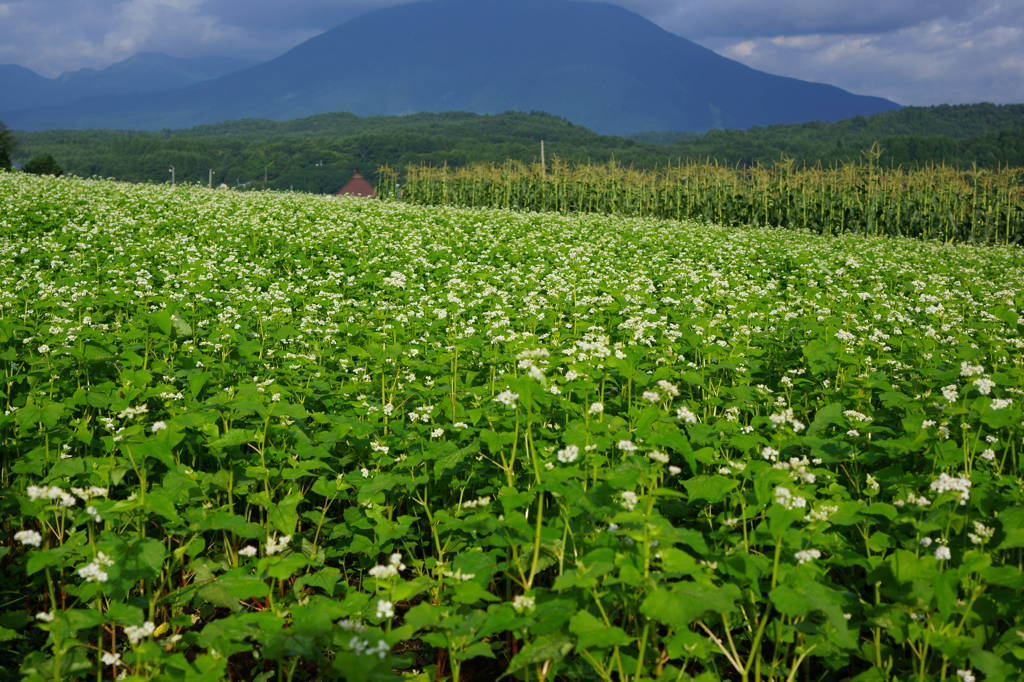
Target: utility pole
(210, 184)
(171, 169)
(543, 165)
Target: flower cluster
(95, 570)
(390, 569)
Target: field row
(937, 203)
(274, 436)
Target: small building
(357, 187)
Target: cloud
(315, 15)
(936, 62)
(756, 18)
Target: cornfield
(939, 202)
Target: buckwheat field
(258, 436)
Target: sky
(914, 52)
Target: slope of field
(285, 436)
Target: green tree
(7, 145)
(43, 164)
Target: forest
(319, 153)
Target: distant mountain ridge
(596, 64)
(146, 72)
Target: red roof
(358, 187)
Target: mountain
(145, 72)
(595, 64)
(21, 87)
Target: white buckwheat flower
(947, 483)
(93, 571)
(628, 500)
(668, 388)
(686, 415)
(658, 456)
(393, 568)
(969, 370)
(28, 537)
(805, 555)
(568, 454)
(942, 553)
(984, 385)
(523, 603)
(596, 408)
(276, 545)
(385, 609)
(138, 633)
(507, 398)
(788, 500)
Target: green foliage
(43, 164)
(932, 203)
(269, 436)
(984, 135)
(7, 146)
(318, 154)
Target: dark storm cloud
(912, 51)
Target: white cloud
(757, 18)
(933, 63)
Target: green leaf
(808, 596)
(686, 601)
(593, 633)
(552, 647)
(125, 614)
(232, 438)
(44, 558)
(161, 320)
(711, 488)
(284, 515)
(831, 414)
(242, 586)
(7, 635)
(286, 567)
(142, 557)
(822, 356)
(161, 504)
(233, 523)
(182, 327)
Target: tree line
(318, 154)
